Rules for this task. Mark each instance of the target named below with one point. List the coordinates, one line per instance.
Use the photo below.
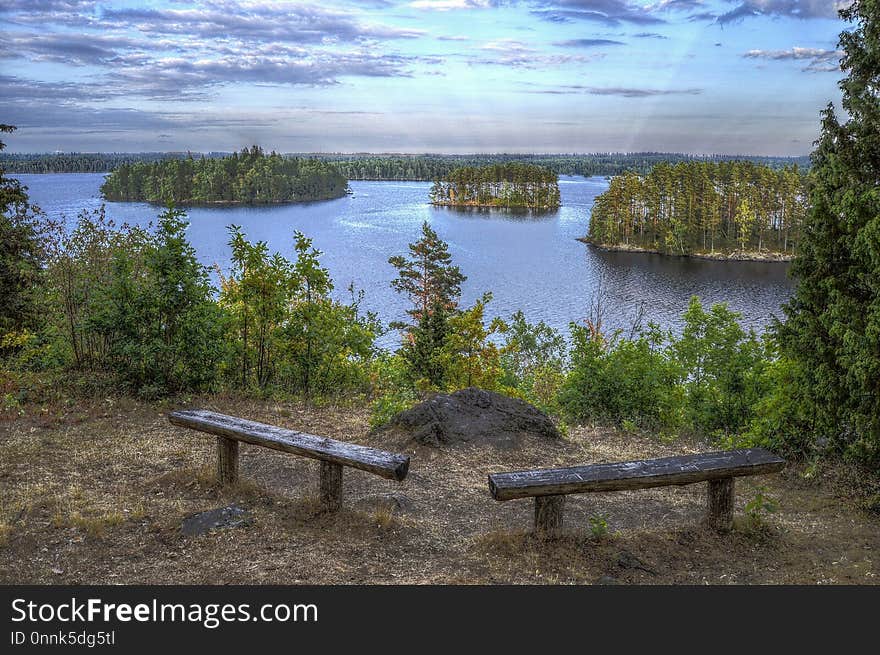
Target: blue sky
(703, 76)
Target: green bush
(391, 381)
(285, 329)
(533, 361)
(159, 317)
(623, 379)
(723, 368)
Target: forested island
(248, 177)
(511, 186)
(392, 166)
(726, 210)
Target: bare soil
(95, 492)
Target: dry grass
(96, 492)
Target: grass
(98, 489)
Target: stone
(473, 415)
(231, 516)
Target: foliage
(285, 328)
(327, 344)
(78, 162)
(158, 315)
(598, 526)
(391, 382)
(617, 379)
(533, 361)
(702, 207)
(832, 326)
(468, 357)
(783, 419)
(758, 508)
(709, 381)
(256, 296)
(433, 286)
(760, 504)
(248, 177)
(392, 166)
(80, 266)
(510, 185)
(21, 257)
(428, 278)
(724, 369)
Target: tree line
(79, 162)
(513, 185)
(703, 207)
(248, 177)
(428, 167)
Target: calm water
(529, 263)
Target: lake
(529, 262)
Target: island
(735, 210)
(250, 177)
(512, 185)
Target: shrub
(163, 327)
(622, 379)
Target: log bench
(549, 487)
(333, 455)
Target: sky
(452, 76)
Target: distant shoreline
(474, 205)
(771, 257)
(234, 203)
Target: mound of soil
(476, 416)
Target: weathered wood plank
(549, 511)
(373, 460)
(642, 474)
(719, 505)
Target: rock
(473, 415)
(231, 516)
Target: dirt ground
(94, 493)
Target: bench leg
(331, 486)
(227, 460)
(548, 515)
(720, 504)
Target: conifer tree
(429, 277)
(21, 253)
(832, 326)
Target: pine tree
(433, 286)
(429, 277)
(832, 326)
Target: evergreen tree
(433, 286)
(428, 278)
(832, 327)
(159, 311)
(21, 254)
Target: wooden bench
(332, 454)
(550, 486)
